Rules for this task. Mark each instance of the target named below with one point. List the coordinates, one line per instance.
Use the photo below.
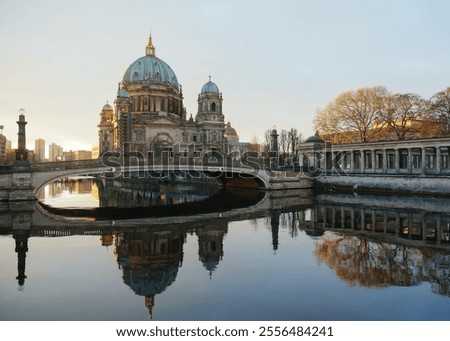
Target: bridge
(22, 181)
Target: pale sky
(275, 62)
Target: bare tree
(254, 144)
(294, 141)
(403, 111)
(354, 115)
(440, 112)
(283, 146)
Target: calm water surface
(303, 258)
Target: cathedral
(148, 114)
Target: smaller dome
(210, 87)
(231, 133)
(107, 107)
(314, 138)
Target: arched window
(213, 106)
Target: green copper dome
(150, 69)
(210, 87)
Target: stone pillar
(438, 229)
(374, 221)
(410, 226)
(438, 159)
(274, 149)
(352, 161)
(372, 151)
(21, 151)
(352, 213)
(333, 217)
(398, 228)
(323, 155)
(362, 161)
(397, 160)
(409, 166)
(423, 151)
(363, 219)
(384, 161)
(424, 227)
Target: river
(98, 250)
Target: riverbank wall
(435, 185)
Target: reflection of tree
(377, 264)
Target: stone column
(21, 151)
(409, 167)
(384, 161)
(410, 226)
(397, 160)
(374, 221)
(373, 160)
(274, 149)
(398, 228)
(362, 161)
(352, 161)
(423, 150)
(333, 217)
(385, 222)
(363, 219)
(352, 214)
(438, 159)
(424, 227)
(438, 229)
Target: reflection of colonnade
(376, 247)
(424, 156)
(409, 224)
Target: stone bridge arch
(44, 173)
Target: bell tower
(106, 129)
(210, 118)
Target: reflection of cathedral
(149, 114)
(149, 261)
(210, 245)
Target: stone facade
(148, 114)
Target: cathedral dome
(210, 87)
(106, 107)
(231, 133)
(150, 69)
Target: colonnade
(426, 156)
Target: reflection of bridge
(404, 220)
(22, 181)
(378, 241)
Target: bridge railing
(149, 162)
(207, 160)
(63, 165)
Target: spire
(150, 49)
